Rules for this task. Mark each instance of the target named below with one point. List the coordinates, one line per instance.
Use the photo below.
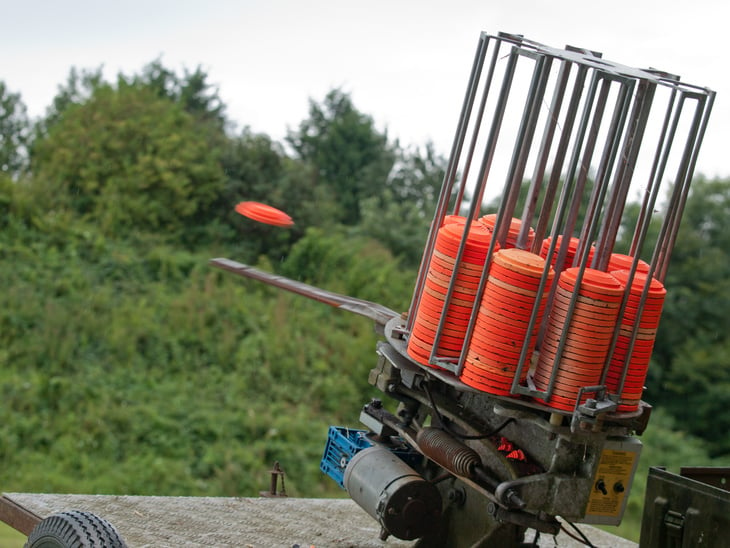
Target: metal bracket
(273, 492)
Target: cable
(456, 434)
(571, 535)
(583, 538)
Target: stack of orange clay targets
(618, 261)
(569, 257)
(511, 293)
(433, 300)
(510, 298)
(648, 323)
(571, 251)
(587, 334)
(512, 232)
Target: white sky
(405, 63)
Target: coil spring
(447, 451)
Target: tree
(14, 133)
(192, 91)
(257, 169)
(400, 216)
(79, 87)
(692, 351)
(350, 157)
(129, 160)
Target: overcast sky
(405, 63)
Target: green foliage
(131, 367)
(130, 161)
(192, 91)
(354, 266)
(350, 157)
(127, 365)
(400, 216)
(14, 132)
(692, 352)
(79, 86)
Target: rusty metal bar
(377, 312)
(603, 175)
(17, 517)
(560, 156)
(636, 130)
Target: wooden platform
(240, 522)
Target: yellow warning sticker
(611, 482)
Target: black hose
(583, 538)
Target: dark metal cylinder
(405, 504)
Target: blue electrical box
(342, 444)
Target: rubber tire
(74, 529)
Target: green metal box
(691, 509)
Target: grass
(10, 538)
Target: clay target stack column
(511, 293)
(587, 333)
(648, 318)
(434, 302)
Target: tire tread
(75, 529)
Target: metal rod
(601, 182)
(560, 155)
(642, 106)
(449, 176)
(497, 120)
(543, 155)
(637, 127)
(523, 143)
(686, 169)
(477, 127)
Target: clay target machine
(517, 373)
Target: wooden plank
(160, 522)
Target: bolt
(456, 496)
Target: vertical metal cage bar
(645, 94)
(686, 171)
(496, 125)
(629, 154)
(561, 154)
(451, 172)
(477, 127)
(523, 142)
(583, 161)
(603, 176)
(657, 171)
(680, 187)
(478, 191)
(567, 191)
(543, 154)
